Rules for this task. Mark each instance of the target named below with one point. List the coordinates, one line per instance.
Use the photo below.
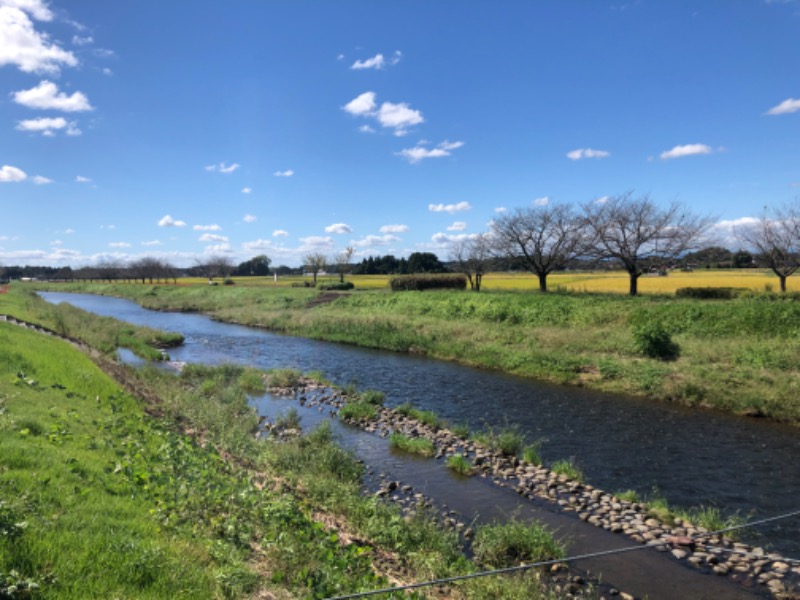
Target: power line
(546, 563)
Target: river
(692, 457)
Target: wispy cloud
(152, 243)
(543, 201)
(39, 180)
(587, 153)
(12, 174)
(82, 179)
(119, 245)
(212, 237)
(687, 150)
(789, 105)
(449, 208)
(458, 226)
(377, 62)
(213, 227)
(168, 221)
(500, 210)
(82, 41)
(394, 229)
(375, 241)
(46, 96)
(340, 228)
(419, 152)
(286, 173)
(47, 126)
(247, 190)
(223, 168)
(445, 239)
(280, 233)
(250, 218)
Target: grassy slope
(736, 355)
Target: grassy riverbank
(734, 355)
(162, 491)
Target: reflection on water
(692, 457)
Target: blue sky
(182, 129)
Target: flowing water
(692, 457)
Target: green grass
(358, 411)
(568, 468)
(530, 453)
(586, 339)
(509, 440)
(413, 445)
(459, 463)
(628, 496)
(374, 397)
(510, 544)
(426, 417)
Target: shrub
(405, 283)
(283, 378)
(531, 454)
(509, 544)
(459, 463)
(374, 397)
(228, 281)
(652, 339)
(709, 293)
(347, 285)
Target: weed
(414, 445)
(358, 411)
(459, 463)
(283, 378)
(515, 542)
(530, 453)
(460, 430)
(654, 340)
(374, 397)
(568, 468)
(288, 420)
(628, 496)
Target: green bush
(459, 463)
(652, 339)
(358, 411)
(568, 468)
(709, 293)
(374, 397)
(414, 445)
(406, 283)
(347, 285)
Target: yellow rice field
(574, 281)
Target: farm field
(758, 280)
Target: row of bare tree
(631, 232)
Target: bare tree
(635, 231)
(314, 262)
(342, 261)
(545, 238)
(776, 239)
(215, 266)
(472, 256)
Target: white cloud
(108, 72)
(396, 116)
(602, 199)
(458, 226)
(23, 46)
(108, 226)
(687, 150)
(446, 239)
(316, 241)
(724, 232)
(46, 96)
(340, 228)
(286, 173)
(418, 153)
(39, 180)
(257, 245)
(543, 201)
(789, 105)
(214, 227)
(280, 233)
(152, 243)
(247, 190)
(168, 221)
(372, 241)
(396, 57)
(9, 173)
(449, 208)
(361, 105)
(366, 129)
(119, 245)
(48, 126)
(82, 41)
(70, 231)
(222, 168)
(82, 179)
(394, 229)
(211, 237)
(500, 210)
(587, 153)
(250, 218)
(223, 248)
(340, 57)
(376, 62)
